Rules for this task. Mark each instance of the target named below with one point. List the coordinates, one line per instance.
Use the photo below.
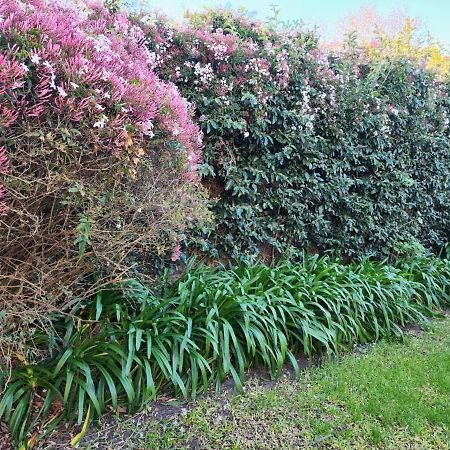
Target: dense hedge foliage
(127, 344)
(98, 158)
(306, 149)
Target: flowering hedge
(98, 155)
(304, 148)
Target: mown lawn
(391, 396)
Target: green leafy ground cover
(129, 345)
(394, 395)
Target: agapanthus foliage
(306, 148)
(98, 155)
(208, 328)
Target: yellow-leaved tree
(395, 35)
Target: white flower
(106, 74)
(35, 59)
(246, 134)
(99, 107)
(205, 73)
(24, 67)
(74, 85)
(147, 128)
(102, 43)
(176, 130)
(62, 93)
(52, 81)
(48, 65)
(393, 110)
(101, 123)
(106, 95)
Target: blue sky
(434, 14)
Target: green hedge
(305, 149)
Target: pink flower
(176, 253)
(61, 92)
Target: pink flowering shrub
(90, 67)
(98, 156)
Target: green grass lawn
(392, 396)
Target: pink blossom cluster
(209, 57)
(94, 70)
(11, 78)
(207, 61)
(219, 46)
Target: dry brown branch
(56, 182)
